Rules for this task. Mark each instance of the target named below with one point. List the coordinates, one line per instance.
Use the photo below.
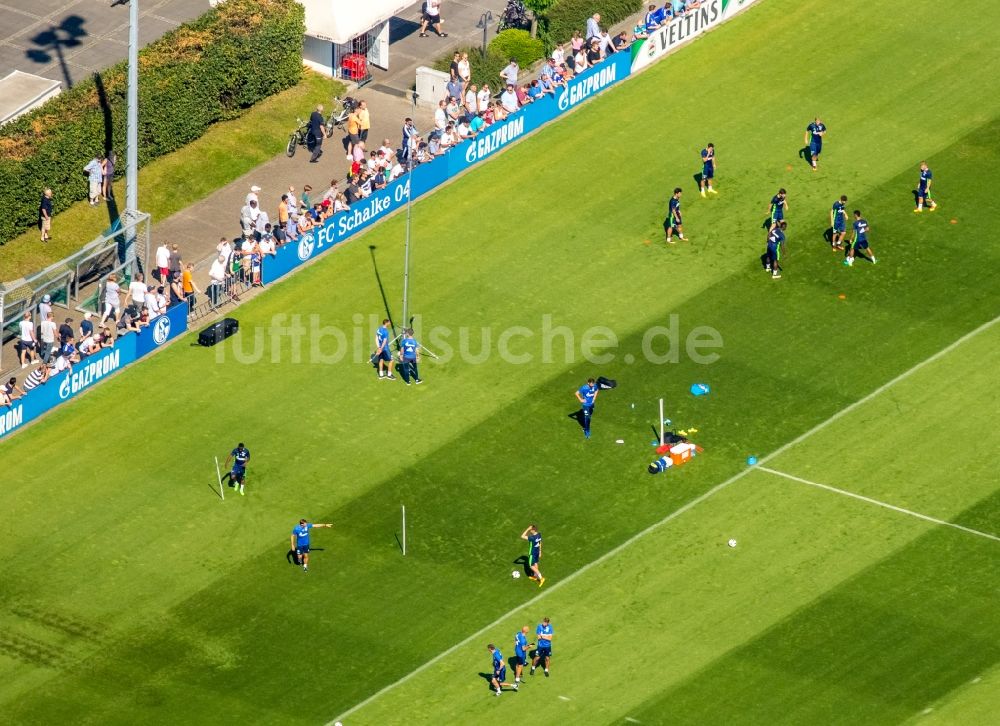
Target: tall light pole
(131, 130)
(409, 202)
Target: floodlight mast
(409, 202)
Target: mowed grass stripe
(346, 446)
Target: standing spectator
(112, 301)
(306, 201)
(189, 287)
(454, 88)
(94, 178)
(27, 342)
(607, 44)
(432, 17)
(283, 210)
(263, 222)
(454, 109)
(441, 115)
(509, 73)
(248, 217)
(483, 97)
(576, 42)
(104, 338)
(162, 262)
(594, 26)
(593, 54)
(465, 71)
(176, 289)
(44, 307)
(66, 331)
(175, 263)
(136, 292)
(317, 132)
(580, 61)
(45, 215)
(88, 345)
(364, 121)
(108, 175)
(252, 195)
(472, 100)
(453, 74)
(558, 56)
(48, 330)
(293, 202)
(126, 323)
(387, 151)
(353, 131)
(151, 302)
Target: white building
(345, 37)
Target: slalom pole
(218, 474)
(661, 422)
(404, 529)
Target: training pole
(661, 422)
(404, 529)
(218, 474)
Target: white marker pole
(661, 422)
(218, 474)
(404, 529)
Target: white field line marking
(880, 503)
(673, 515)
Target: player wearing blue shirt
(586, 395)
(499, 678)
(534, 539)
(543, 636)
(771, 259)
(300, 542)
(779, 205)
(924, 189)
(409, 357)
(838, 222)
(382, 353)
(859, 241)
(673, 220)
(521, 646)
(707, 170)
(239, 456)
(814, 137)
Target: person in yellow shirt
(353, 130)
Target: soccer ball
(515, 574)
(731, 543)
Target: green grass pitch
(132, 594)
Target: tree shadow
(53, 42)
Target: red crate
(354, 66)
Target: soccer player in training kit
(779, 205)
(499, 678)
(534, 552)
(673, 220)
(586, 395)
(382, 353)
(814, 137)
(707, 169)
(838, 223)
(543, 636)
(237, 475)
(300, 542)
(521, 646)
(771, 259)
(409, 356)
(859, 241)
(924, 189)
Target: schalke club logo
(306, 245)
(161, 329)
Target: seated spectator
(434, 147)
(86, 326)
(88, 346)
(651, 21)
(639, 33)
(476, 125)
(398, 169)
(365, 184)
(340, 205)
(679, 7)
(594, 55)
(353, 193)
(580, 61)
(69, 351)
(143, 320)
(269, 246)
(464, 130)
(535, 91)
(448, 138)
(484, 97)
(105, 339)
(10, 392)
(621, 41)
(510, 72)
(127, 322)
(489, 115)
(422, 154)
(499, 112)
(38, 377)
(305, 223)
(523, 99)
(379, 181)
(508, 99)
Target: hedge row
(207, 70)
(517, 44)
(565, 16)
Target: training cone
(699, 389)
(751, 460)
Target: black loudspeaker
(218, 332)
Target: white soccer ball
(732, 543)
(515, 574)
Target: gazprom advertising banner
(93, 369)
(432, 174)
(683, 29)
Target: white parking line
(879, 503)
(673, 515)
